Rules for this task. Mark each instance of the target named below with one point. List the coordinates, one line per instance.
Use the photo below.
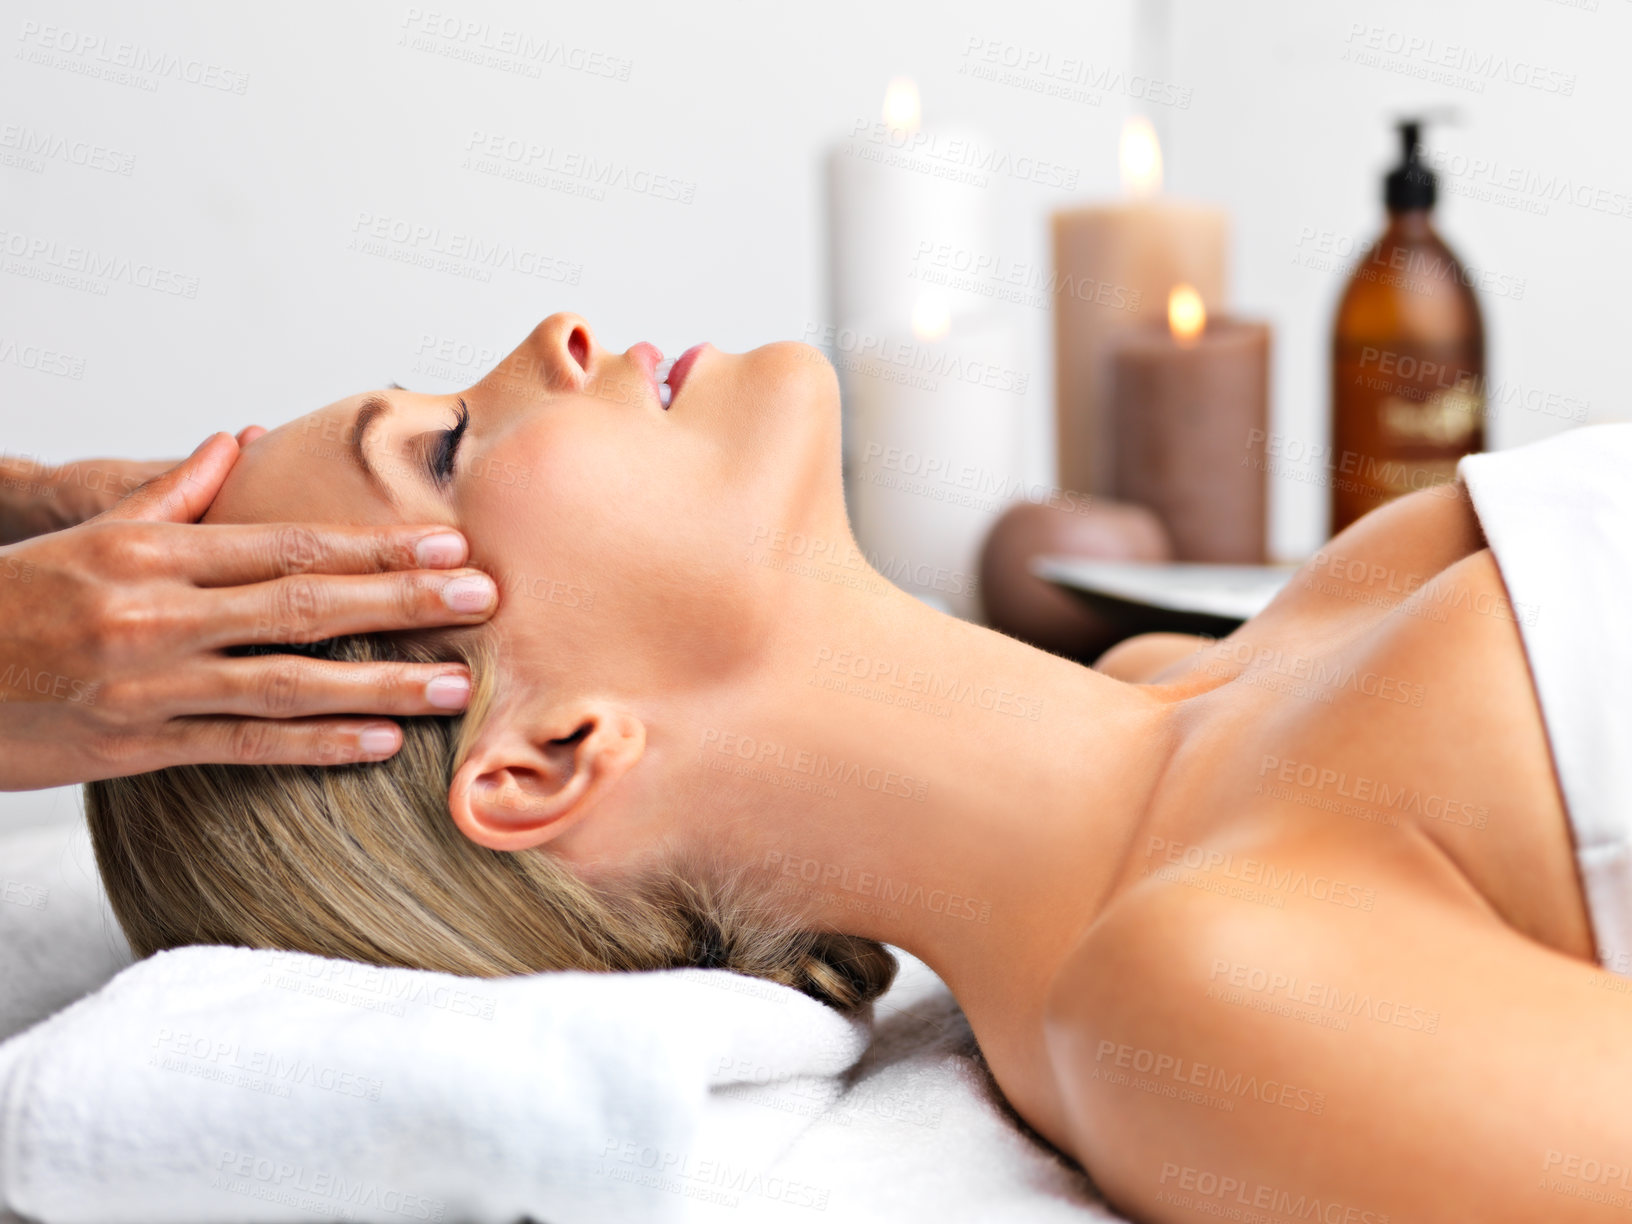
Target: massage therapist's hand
(113, 636)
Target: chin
(795, 381)
(783, 412)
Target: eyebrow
(374, 407)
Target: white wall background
(255, 196)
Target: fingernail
(472, 593)
(450, 692)
(441, 551)
(379, 740)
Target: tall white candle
(889, 198)
(932, 404)
(932, 447)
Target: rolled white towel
(208, 1084)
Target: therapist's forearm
(37, 497)
(30, 500)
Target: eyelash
(447, 448)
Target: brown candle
(1188, 414)
(1114, 266)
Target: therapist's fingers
(217, 555)
(291, 686)
(249, 433)
(182, 494)
(273, 741)
(314, 607)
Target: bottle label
(1404, 416)
(1446, 418)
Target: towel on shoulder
(1557, 515)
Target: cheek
(622, 535)
(541, 502)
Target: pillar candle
(929, 399)
(932, 451)
(1189, 421)
(1114, 265)
(889, 199)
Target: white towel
(918, 1131)
(208, 1084)
(1558, 517)
(213, 1084)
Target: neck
(937, 786)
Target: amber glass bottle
(1408, 356)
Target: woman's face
(620, 532)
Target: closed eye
(445, 450)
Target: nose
(566, 352)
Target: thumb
(185, 492)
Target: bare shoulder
(1366, 570)
(1284, 1024)
(1381, 560)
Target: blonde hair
(364, 863)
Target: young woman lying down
(1290, 925)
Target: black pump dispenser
(1410, 185)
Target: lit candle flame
(902, 109)
(1186, 314)
(1141, 157)
(931, 317)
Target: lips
(682, 367)
(666, 376)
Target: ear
(531, 781)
